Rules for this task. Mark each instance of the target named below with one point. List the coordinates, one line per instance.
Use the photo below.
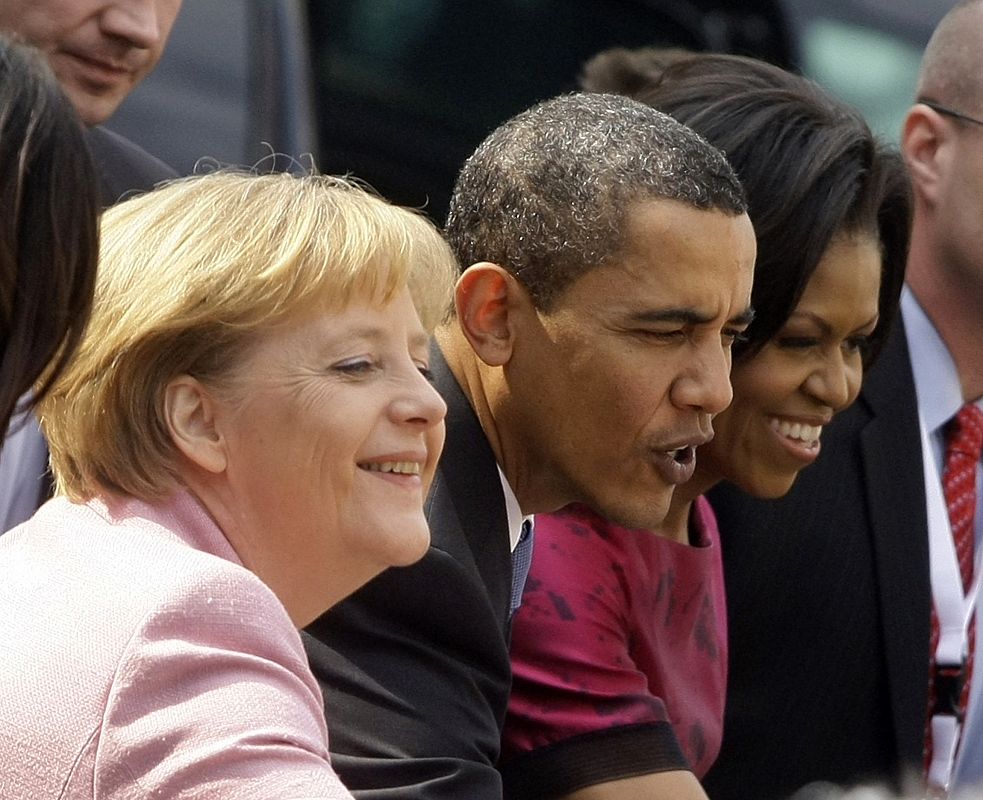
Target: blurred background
(399, 92)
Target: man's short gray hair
(547, 194)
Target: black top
(828, 594)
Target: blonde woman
(245, 437)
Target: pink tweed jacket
(140, 659)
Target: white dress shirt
(939, 399)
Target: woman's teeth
(400, 467)
(797, 430)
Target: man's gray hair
(546, 195)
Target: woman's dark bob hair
(809, 163)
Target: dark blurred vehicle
(407, 89)
(399, 92)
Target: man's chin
(634, 515)
(93, 109)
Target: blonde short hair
(189, 275)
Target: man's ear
(489, 301)
(189, 411)
(925, 143)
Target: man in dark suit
(124, 169)
(830, 590)
(609, 260)
(99, 50)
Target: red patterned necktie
(963, 444)
(964, 438)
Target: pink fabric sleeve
(213, 698)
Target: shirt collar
(513, 511)
(936, 379)
(181, 515)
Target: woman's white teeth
(399, 467)
(796, 430)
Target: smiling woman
(811, 369)
(246, 436)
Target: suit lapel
(468, 488)
(891, 453)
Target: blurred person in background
(245, 436)
(99, 50)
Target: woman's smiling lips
(401, 469)
(799, 438)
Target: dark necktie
(521, 560)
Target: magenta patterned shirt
(619, 653)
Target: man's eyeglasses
(950, 112)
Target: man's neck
(954, 304)
(487, 391)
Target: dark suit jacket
(122, 168)
(415, 666)
(828, 605)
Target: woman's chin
(770, 487)
(409, 542)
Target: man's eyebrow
(688, 316)
(683, 316)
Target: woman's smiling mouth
(395, 467)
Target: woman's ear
(488, 301)
(189, 411)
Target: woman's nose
(420, 402)
(836, 382)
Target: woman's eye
(426, 372)
(355, 367)
(797, 342)
(857, 344)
